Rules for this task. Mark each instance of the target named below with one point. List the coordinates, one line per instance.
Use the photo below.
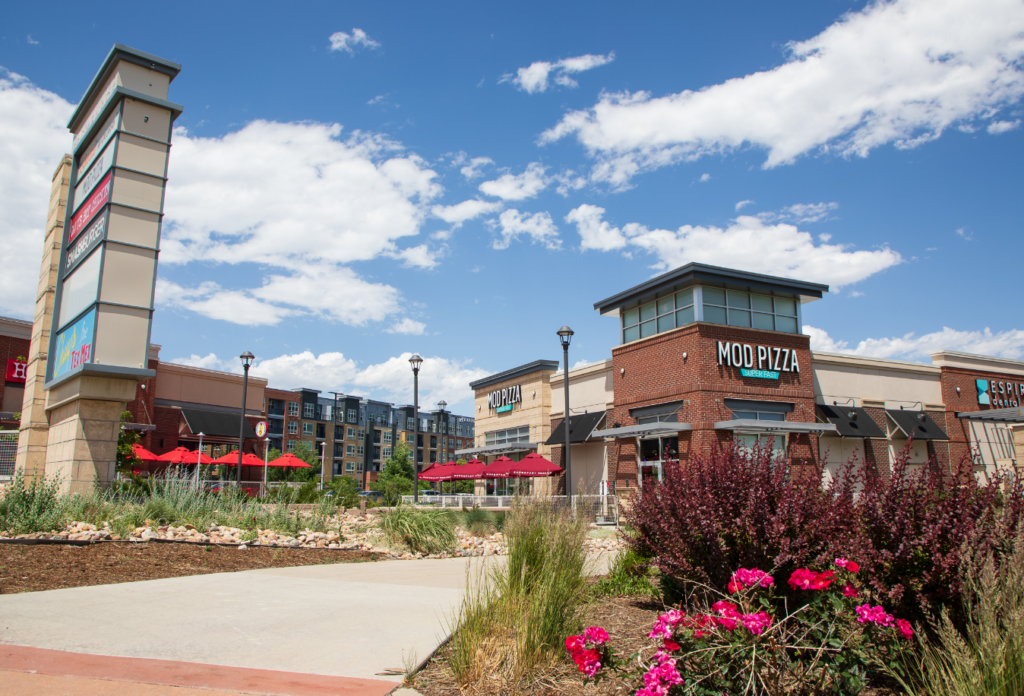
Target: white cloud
(964, 234)
(31, 40)
(534, 78)
(800, 212)
(472, 170)
(856, 293)
(1004, 344)
(743, 204)
(705, 177)
(33, 136)
(391, 380)
(464, 211)
(997, 127)
(420, 256)
(408, 326)
(748, 244)
(340, 41)
(377, 100)
(897, 72)
(516, 187)
(209, 362)
(539, 227)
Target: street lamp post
(415, 361)
(199, 457)
(266, 456)
(565, 335)
(323, 462)
(247, 359)
(440, 417)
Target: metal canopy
(851, 421)
(641, 430)
(581, 427)
(775, 426)
(916, 424)
(216, 424)
(1005, 415)
(500, 449)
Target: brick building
(15, 336)
(710, 356)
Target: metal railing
(598, 509)
(8, 451)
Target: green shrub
(32, 506)
(630, 574)
(422, 530)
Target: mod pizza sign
(764, 362)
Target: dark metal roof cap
(694, 273)
(526, 369)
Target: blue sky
(349, 184)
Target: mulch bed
(51, 566)
(627, 620)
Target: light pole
(323, 461)
(565, 335)
(266, 456)
(440, 417)
(199, 457)
(247, 359)
(415, 361)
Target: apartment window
(376, 454)
(362, 451)
(353, 415)
(321, 431)
(376, 437)
(410, 424)
(737, 308)
(385, 452)
(663, 314)
(351, 433)
(336, 469)
(359, 467)
(350, 467)
(362, 433)
(387, 437)
(339, 450)
(293, 408)
(339, 433)
(433, 442)
(350, 450)
(308, 410)
(291, 445)
(504, 437)
(307, 428)
(293, 427)
(409, 439)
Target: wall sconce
(622, 371)
(685, 356)
(958, 390)
(535, 394)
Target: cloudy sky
(349, 184)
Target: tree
(346, 491)
(306, 453)
(396, 478)
(126, 459)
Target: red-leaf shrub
(741, 508)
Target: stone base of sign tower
(85, 422)
(35, 424)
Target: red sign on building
(17, 370)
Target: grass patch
(421, 530)
(514, 617)
(630, 575)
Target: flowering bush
(744, 644)
(748, 508)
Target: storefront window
(664, 314)
(504, 437)
(737, 308)
(747, 441)
(657, 449)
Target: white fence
(599, 509)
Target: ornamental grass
(421, 530)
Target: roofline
(128, 54)
(700, 271)
(878, 363)
(535, 366)
(306, 389)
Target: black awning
(917, 424)
(580, 428)
(851, 421)
(216, 424)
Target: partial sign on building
(104, 296)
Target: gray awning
(851, 421)
(643, 430)
(499, 449)
(216, 424)
(916, 424)
(1004, 415)
(775, 426)
(581, 427)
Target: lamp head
(247, 358)
(441, 404)
(565, 335)
(415, 361)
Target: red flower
(821, 581)
(904, 627)
(671, 644)
(849, 590)
(852, 567)
(735, 587)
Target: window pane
(766, 416)
(650, 450)
(787, 324)
(744, 415)
(647, 329)
(647, 312)
(715, 296)
(716, 315)
(631, 334)
(630, 317)
(684, 298)
(763, 321)
(666, 323)
(646, 419)
(666, 305)
(684, 316)
(738, 317)
(739, 299)
(787, 307)
(762, 303)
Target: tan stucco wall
(533, 411)
(590, 389)
(198, 386)
(841, 377)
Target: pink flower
(904, 628)
(748, 577)
(756, 623)
(821, 581)
(841, 562)
(869, 614)
(665, 623)
(725, 608)
(661, 676)
(596, 635)
(574, 643)
(849, 590)
(801, 579)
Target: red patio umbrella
(144, 454)
(471, 470)
(534, 465)
(438, 472)
(288, 459)
(499, 468)
(180, 455)
(231, 459)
